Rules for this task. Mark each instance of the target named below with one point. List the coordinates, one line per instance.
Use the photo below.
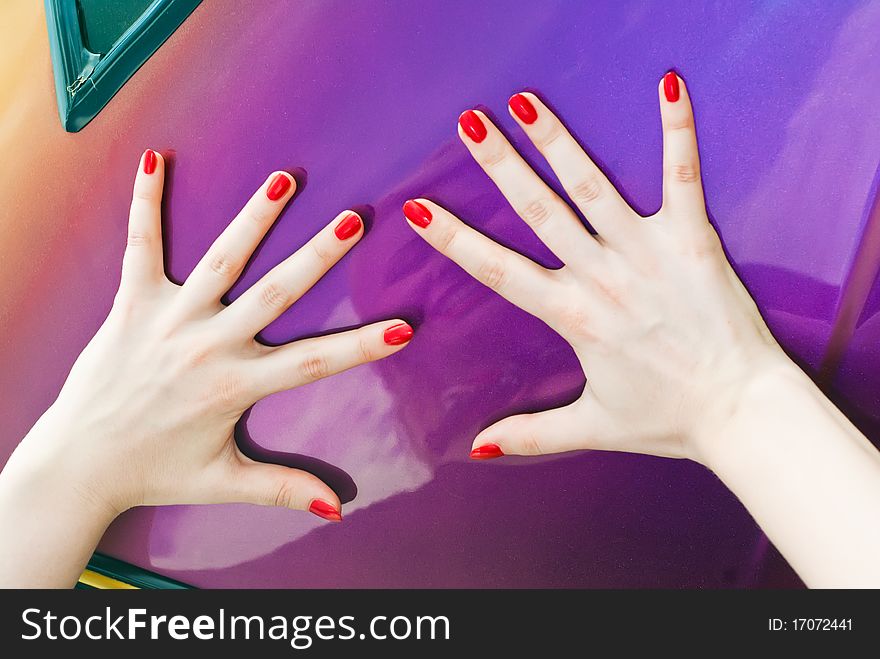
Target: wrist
(48, 465)
(758, 395)
(46, 504)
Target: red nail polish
(417, 213)
(472, 125)
(487, 452)
(325, 510)
(349, 226)
(522, 107)
(670, 87)
(397, 335)
(278, 187)
(149, 161)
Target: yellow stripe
(97, 580)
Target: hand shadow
(338, 480)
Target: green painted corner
(86, 81)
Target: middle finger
(552, 220)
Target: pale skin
(146, 416)
(678, 361)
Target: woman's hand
(147, 413)
(678, 361)
(664, 330)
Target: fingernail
(278, 187)
(522, 107)
(398, 334)
(149, 161)
(487, 452)
(472, 125)
(417, 213)
(349, 226)
(670, 87)
(325, 510)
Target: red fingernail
(417, 213)
(278, 187)
(487, 452)
(325, 510)
(349, 226)
(522, 107)
(149, 161)
(398, 334)
(670, 87)
(472, 125)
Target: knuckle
(196, 356)
(284, 495)
(124, 305)
(321, 254)
(446, 238)
(314, 367)
(228, 389)
(223, 264)
(587, 190)
(494, 159)
(492, 274)
(575, 322)
(143, 194)
(680, 122)
(139, 239)
(531, 444)
(704, 246)
(684, 173)
(537, 213)
(610, 291)
(551, 137)
(259, 214)
(273, 297)
(365, 350)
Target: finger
(552, 220)
(288, 281)
(586, 185)
(552, 431)
(274, 485)
(682, 188)
(225, 259)
(301, 362)
(518, 279)
(142, 263)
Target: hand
(147, 413)
(665, 332)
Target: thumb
(553, 431)
(274, 485)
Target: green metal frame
(130, 574)
(86, 81)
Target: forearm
(49, 521)
(807, 475)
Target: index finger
(516, 278)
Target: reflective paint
(360, 101)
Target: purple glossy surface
(364, 96)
